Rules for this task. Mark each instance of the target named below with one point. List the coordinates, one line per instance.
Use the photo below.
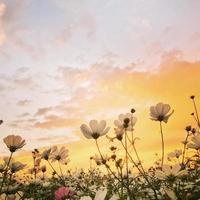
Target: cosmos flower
(119, 133)
(160, 112)
(100, 160)
(170, 171)
(100, 195)
(195, 144)
(16, 166)
(175, 154)
(43, 168)
(120, 122)
(14, 142)
(95, 130)
(86, 198)
(170, 193)
(63, 192)
(45, 154)
(8, 197)
(59, 155)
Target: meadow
(116, 176)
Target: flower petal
(94, 126)
(86, 131)
(101, 126)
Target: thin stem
(132, 142)
(137, 155)
(195, 119)
(60, 168)
(132, 128)
(43, 176)
(163, 147)
(54, 169)
(5, 173)
(195, 107)
(35, 172)
(107, 167)
(127, 171)
(103, 159)
(145, 177)
(184, 148)
(9, 180)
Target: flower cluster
(116, 174)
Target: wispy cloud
(43, 111)
(24, 102)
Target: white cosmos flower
(175, 154)
(195, 144)
(97, 159)
(170, 193)
(86, 198)
(16, 166)
(60, 155)
(14, 142)
(119, 133)
(120, 122)
(95, 130)
(160, 112)
(114, 197)
(168, 171)
(100, 195)
(45, 154)
(8, 197)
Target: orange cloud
(54, 121)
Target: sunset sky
(65, 62)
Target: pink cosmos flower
(63, 192)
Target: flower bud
(126, 121)
(188, 128)
(192, 97)
(133, 110)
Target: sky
(65, 62)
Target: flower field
(175, 175)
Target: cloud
(53, 121)
(102, 91)
(14, 33)
(21, 80)
(43, 111)
(23, 83)
(24, 102)
(2, 31)
(26, 114)
(22, 70)
(58, 139)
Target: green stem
(195, 107)
(107, 167)
(5, 173)
(137, 155)
(184, 148)
(54, 170)
(60, 169)
(8, 185)
(144, 175)
(163, 147)
(127, 171)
